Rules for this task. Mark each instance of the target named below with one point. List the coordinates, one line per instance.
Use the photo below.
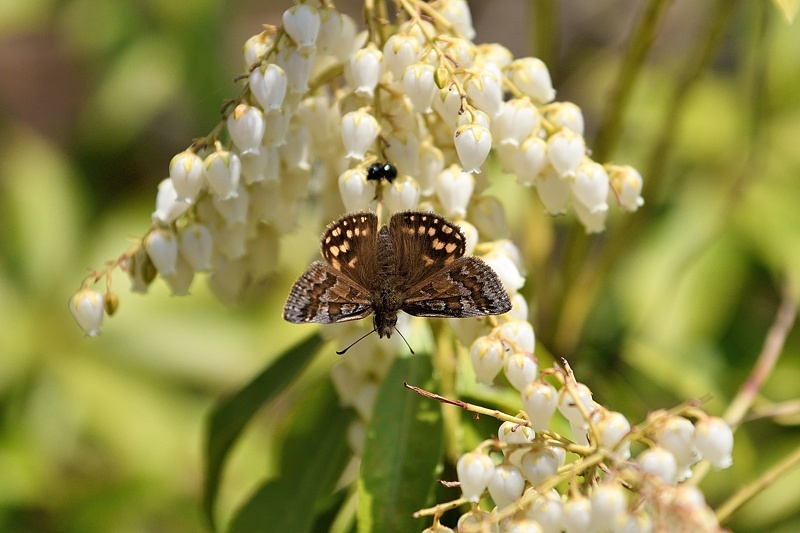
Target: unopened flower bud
(474, 471)
(488, 355)
(186, 173)
(162, 248)
(359, 130)
(222, 170)
(473, 143)
(87, 308)
(301, 22)
(268, 86)
(530, 75)
(565, 150)
(246, 128)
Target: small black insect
(379, 171)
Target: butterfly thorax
(385, 301)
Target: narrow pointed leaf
(230, 416)
(314, 455)
(403, 450)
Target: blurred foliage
(106, 434)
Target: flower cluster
(602, 487)
(322, 102)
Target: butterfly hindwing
(466, 288)
(324, 296)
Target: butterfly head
(385, 323)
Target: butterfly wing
(424, 244)
(350, 247)
(325, 296)
(467, 287)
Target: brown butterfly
(415, 264)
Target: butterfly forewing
(424, 244)
(466, 288)
(350, 246)
(324, 296)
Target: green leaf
(315, 453)
(231, 415)
(402, 452)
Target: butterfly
(416, 264)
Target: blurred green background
(105, 434)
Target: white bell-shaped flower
(488, 355)
(540, 400)
(473, 143)
(161, 246)
(402, 149)
(593, 222)
(181, 279)
(420, 86)
(577, 517)
(255, 47)
(297, 66)
(186, 173)
(296, 152)
(233, 210)
(531, 160)
(400, 52)
(565, 115)
(515, 121)
(521, 370)
(329, 29)
(364, 71)
(568, 399)
(359, 130)
(431, 163)
(196, 246)
(168, 207)
(222, 170)
(486, 92)
(454, 190)
(539, 464)
(608, 506)
(660, 463)
(230, 241)
(355, 190)
(246, 128)
(590, 186)
(462, 52)
(301, 22)
(566, 150)
(345, 42)
(458, 14)
(506, 485)
(613, 427)
(255, 166)
(518, 335)
(547, 509)
(515, 434)
(676, 435)
(531, 77)
(627, 184)
(553, 191)
(447, 103)
(276, 127)
(519, 308)
(474, 470)
(269, 86)
(506, 270)
(714, 439)
(401, 195)
(87, 307)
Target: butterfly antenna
(404, 340)
(364, 336)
